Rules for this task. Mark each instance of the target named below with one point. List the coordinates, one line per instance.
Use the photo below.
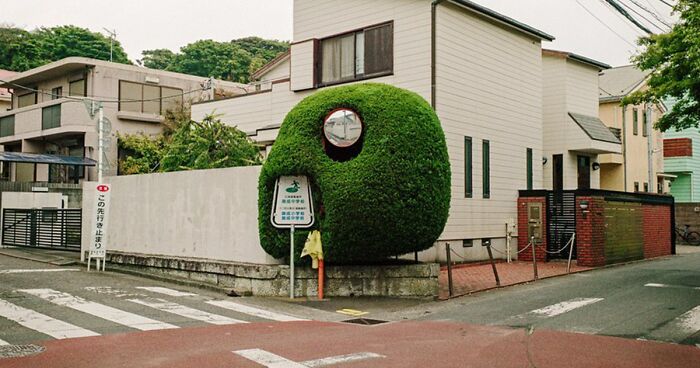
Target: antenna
(112, 36)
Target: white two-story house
(481, 71)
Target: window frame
(5, 119)
(635, 121)
(140, 100)
(468, 168)
(57, 92)
(44, 125)
(486, 168)
(36, 99)
(645, 123)
(529, 168)
(70, 83)
(318, 64)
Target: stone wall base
(413, 280)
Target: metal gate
(49, 227)
(561, 223)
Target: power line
(627, 15)
(643, 17)
(605, 24)
(653, 13)
(625, 21)
(667, 4)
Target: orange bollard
(320, 279)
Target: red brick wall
(590, 232)
(678, 147)
(657, 230)
(523, 226)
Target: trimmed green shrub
(392, 198)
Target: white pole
(650, 148)
(291, 264)
(100, 142)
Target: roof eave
(498, 17)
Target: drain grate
(365, 321)
(17, 351)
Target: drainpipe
(624, 147)
(433, 50)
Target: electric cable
(642, 16)
(652, 13)
(606, 25)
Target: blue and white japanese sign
(98, 244)
(292, 203)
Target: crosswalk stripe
(166, 291)
(257, 312)
(2, 342)
(99, 310)
(184, 311)
(565, 306)
(690, 320)
(42, 323)
(4, 272)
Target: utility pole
(650, 146)
(112, 36)
(100, 142)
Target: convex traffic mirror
(342, 128)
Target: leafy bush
(392, 198)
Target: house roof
(4, 92)
(594, 128)
(616, 83)
(271, 64)
(576, 57)
(503, 19)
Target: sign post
(98, 236)
(292, 208)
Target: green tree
(262, 48)
(143, 153)
(672, 59)
(158, 58)
(22, 50)
(210, 144)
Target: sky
(151, 24)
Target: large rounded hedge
(392, 198)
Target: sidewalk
(472, 278)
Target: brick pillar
(656, 227)
(590, 232)
(522, 230)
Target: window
(645, 124)
(486, 168)
(147, 98)
(468, 187)
(25, 100)
(635, 121)
(7, 126)
(467, 243)
(528, 154)
(357, 55)
(646, 187)
(56, 93)
(78, 88)
(636, 186)
(51, 117)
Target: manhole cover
(365, 321)
(16, 351)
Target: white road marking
(690, 320)
(42, 323)
(341, 359)
(108, 290)
(181, 310)
(4, 343)
(257, 312)
(166, 291)
(671, 286)
(563, 307)
(268, 359)
(39, 270)
(99, 310)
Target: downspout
(624, 147)
(433, 51)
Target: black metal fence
(46, 227)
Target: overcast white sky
(150, 24)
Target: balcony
(56, 117)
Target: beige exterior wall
(5, 104)
(569, 86)
(634, 163)
(102, 83)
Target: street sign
(292, 208)
(98, 235)
(293, 204)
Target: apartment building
(50, 132)
(640, 165)
(5, 93)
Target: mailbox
(534, 221)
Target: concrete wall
(202, 214)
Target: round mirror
(342, 128)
